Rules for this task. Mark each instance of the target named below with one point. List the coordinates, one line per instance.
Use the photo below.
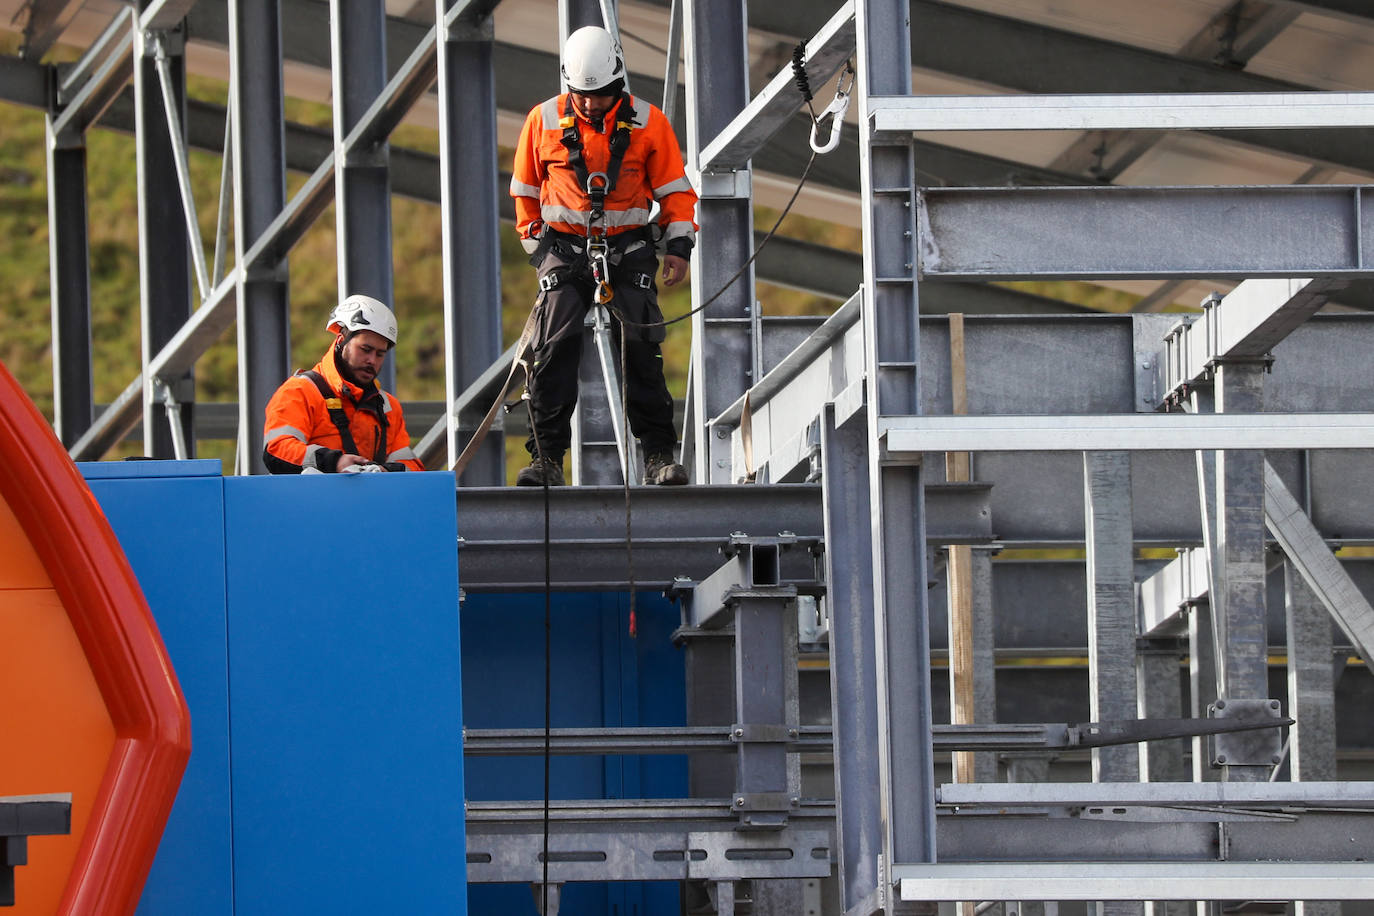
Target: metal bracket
(735, 185)
(1253, 747)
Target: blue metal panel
(141, 469)
(345, 693)
(600, 676)
(169, 518)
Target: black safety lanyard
(619, 143)
(334, 404)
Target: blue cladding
(600, 676)
(182, 576)
(314, 622)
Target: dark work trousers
(557, 345)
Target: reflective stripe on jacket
(545, 185)
(299, 433)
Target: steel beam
(780, 100)
(110, 65)
(674, 533)
(471, 204)
(1311, 681)
(1137, 881)
(264, 330)
(725, 341)
(853, 655)
(69, 276)
(907, 437)
(362, 183)
(165, 244)
(1191, 111)
(1325, 576)
(1245, 324)
(1088, 233)
(1111, 605)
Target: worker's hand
(347, 461)
(674, 269)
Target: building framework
(1240, 436)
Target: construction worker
(335, 417)
(589, 166)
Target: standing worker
(588, 167)
(335, 417)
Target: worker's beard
(351, 373)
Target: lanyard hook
(835, 111)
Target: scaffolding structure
(1240, 437)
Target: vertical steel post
(897, 532)
(853, 656)
(362, 192)
(469, 200)
(164, 255)
(1244, 656)
(1111, 606)
(1161, 697)
(1202, 682)
(725, 358)
(984, 658)
(69, 276)
(259, 149)
(1311, 681)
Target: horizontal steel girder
(678, 532)
(1136, 881)
(1100, 233)
(1191, 111)
(910, 436)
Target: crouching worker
(335, 417)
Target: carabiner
(835, 110)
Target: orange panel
(19, 564)
(58, 733)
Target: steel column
(69, 275)
(725, 338)
(853, 656)
(1161, 697)
(1202, 682)
(362, 194)
(264, 330)
(163, 244)
(1239, 594)
(905, 773)
(1111, 606)
(1311, 681)
(470, 203)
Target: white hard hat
(362, 313)
(591, 59)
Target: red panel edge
(110, 616)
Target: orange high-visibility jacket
(299, 433)
(546, 188)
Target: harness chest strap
(619, 143)
(334, 404)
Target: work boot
(660, 468)
(541, 471)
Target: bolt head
(1221, 758)
(1220, 704)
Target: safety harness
(598, 185)
(334, 404)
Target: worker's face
(591, 106)
(364, 354)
